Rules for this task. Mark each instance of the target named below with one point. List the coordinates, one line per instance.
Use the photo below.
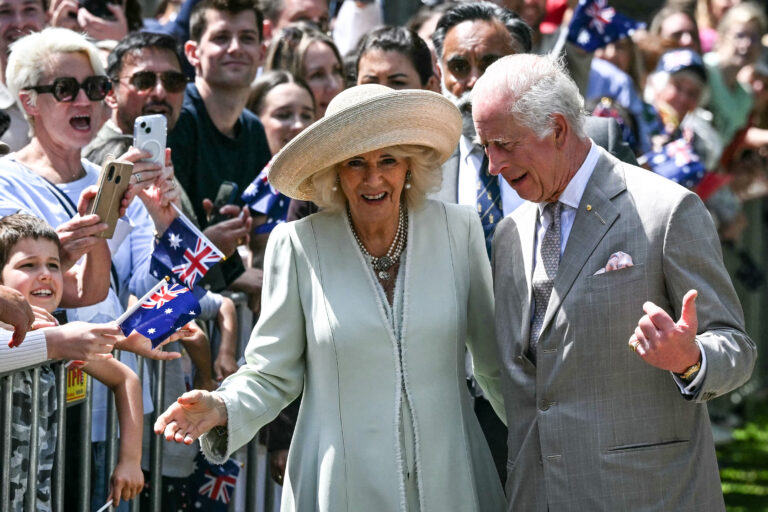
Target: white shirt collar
(467, 148)
(571, 196)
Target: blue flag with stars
(262, 197)
(183, 253)
(214, 484)
(678, 162)
(164, 310)
(595, 24)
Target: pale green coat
(323, 331)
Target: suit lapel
(594, 217)
(526, 228)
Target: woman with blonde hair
(368, 306)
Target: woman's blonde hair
(31, 56)
(426, 176)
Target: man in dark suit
(606, 406)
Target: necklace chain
(382, 264)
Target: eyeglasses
(66, 88)
(173, 81)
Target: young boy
(30, 263)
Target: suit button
(543, 405)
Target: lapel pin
(589, 207)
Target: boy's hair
(198, 23)
(19, 226)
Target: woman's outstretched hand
(194, 413)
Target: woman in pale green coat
(367, 308)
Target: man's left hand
(664, 343)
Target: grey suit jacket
(604, 131)
(592, 426)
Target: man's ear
(266, 30)
(560, 129)
(27, 104)
(111, 99)
(190, 50)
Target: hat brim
(416, 117)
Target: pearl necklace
(382, 264)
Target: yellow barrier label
(76, 385)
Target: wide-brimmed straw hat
(361, 119)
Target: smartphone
(149, 133)
(227, 194)
(98, 8)
(113, 182)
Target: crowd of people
(486, 263)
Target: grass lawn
(744, 466)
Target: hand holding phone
(149, 134)
(227, 194)
(113, 183)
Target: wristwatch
(690, 373)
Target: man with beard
(468, 38)
(145, 70)
(17, 19)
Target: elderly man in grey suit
(609, 355)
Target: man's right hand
(15, 311)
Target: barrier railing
(254, 486)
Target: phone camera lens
(143, 124)
(148, 130)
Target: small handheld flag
(595, 24)
(262, 197)
(676, 161)
(183, 253)
(165, 309)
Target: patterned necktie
(488, 202)
(547, 261)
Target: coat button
(543, 405)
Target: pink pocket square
(618, 260)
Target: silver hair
(426, 176)
(30, 58)
(538, 87)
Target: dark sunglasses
(173, 81)
(66, 88)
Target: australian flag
(213, 484)
(164, 310)
(595, 24)
(262, 197)
(678, 162)
(183, 253)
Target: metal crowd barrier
(255, 492)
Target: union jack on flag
(165, 309)
(678, 162)
(183, 253)
(262, 197)
(596, 24)
(214, 483)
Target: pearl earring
(407, 180)
(335, 186)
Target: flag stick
(138, 303)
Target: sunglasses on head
(173, 81)
(66, 88)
